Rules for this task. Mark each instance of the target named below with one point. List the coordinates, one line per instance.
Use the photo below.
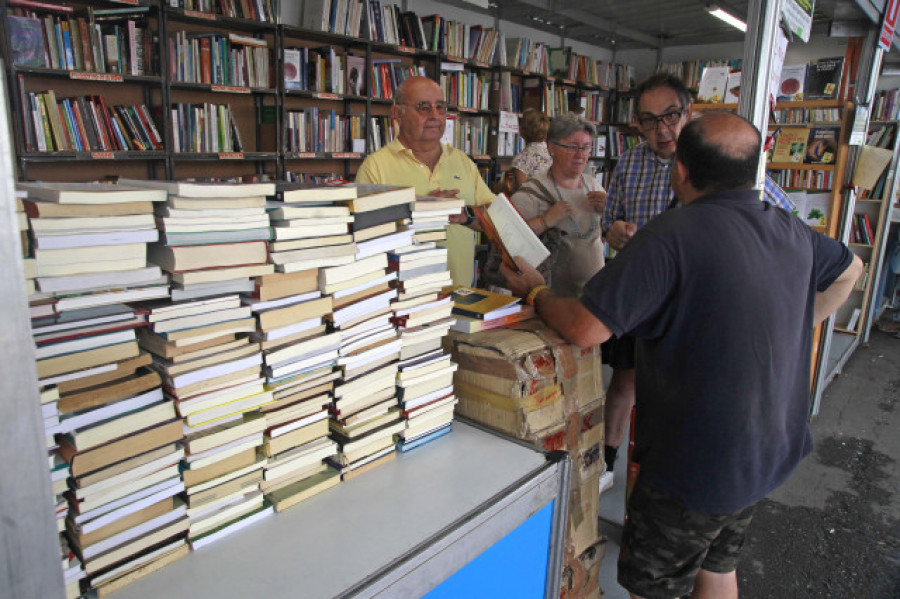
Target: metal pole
(763, 18)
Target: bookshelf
(197, 74)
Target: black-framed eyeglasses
(425, 108)
(573, 149)
(651, 121)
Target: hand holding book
(522, 281)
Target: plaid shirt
(639, 189)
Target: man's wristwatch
(470, 216)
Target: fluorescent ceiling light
(727, 17)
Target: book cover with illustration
(792, 83)
(26, 41)
(821, 146)
(712, 85)
(791, 145)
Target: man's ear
(680, 175)
(689, 111)
(395, 112)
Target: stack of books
(364, 411)
(422, 315)
(480, 310)
(299, 358)
(90, 244)
(103, 410)
(202, 348)
(430, 217)
(311, 231)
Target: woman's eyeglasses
(425, 108)
(651, 121)
(573, 149)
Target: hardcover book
(823, 78)
(26, 41)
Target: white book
(134, 502)
(108, 298)
(105, 412)
(262, 306)
(361, 341)
(311, 363)
(287, 331)
(225, 452)
(176, 310)
(83, 225)
(207, 317)
(381, 379)
(84, 343)
(414, 402)
(145, 558)
(277, 431)
(370, 247)
(51, 242)
(363, 286)
(207, 400)
(78, 374)
(246, 502)
(366, 306)
(210, 372)
(241, 405)
(192, 189)
(82, 282)
(297, 350)
(257, 465)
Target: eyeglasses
(425, 108)
(573, 149)
(651, 121)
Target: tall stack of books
(364, 412)
(202, 348)
(115, 433)
(422, 314)
(299, 369)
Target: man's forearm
(831, 299)
(568, 317)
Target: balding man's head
(721, 151)
(411, 87)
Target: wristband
(532, 295)
(470, 215)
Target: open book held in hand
(507, 230)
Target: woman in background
(534, 159)
(563, 206)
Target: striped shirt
(639, 189)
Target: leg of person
(713, 585)
(619, 401)
(666, 547)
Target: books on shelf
(792, 84)
(822, 144)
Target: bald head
(720, 151)
(414, 87)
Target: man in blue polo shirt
(722, 296)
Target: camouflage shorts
(664, 544)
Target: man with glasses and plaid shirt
(417, 158)
(640, 189)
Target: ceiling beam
(584, 18)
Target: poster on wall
(798, 17)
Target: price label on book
(345, 155)
(480, 64)
(324, 96)
(406, 49)
(568, 81)
(231, 156)
(200, 15)
(305, 155)
(467, 109)
(103, 155)
(455, 58)
(230, 89)
(108, 78)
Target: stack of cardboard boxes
(528, 382)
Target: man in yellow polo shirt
(417, 158)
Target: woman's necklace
(595, 218)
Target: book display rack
(153, 89)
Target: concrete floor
(833, 529)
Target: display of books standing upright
(111, 432)
(215, 241)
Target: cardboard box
(587, 456)
(584, 516)
(581, 575)
(589, 387)
(526, 418)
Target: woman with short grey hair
(564, 205)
